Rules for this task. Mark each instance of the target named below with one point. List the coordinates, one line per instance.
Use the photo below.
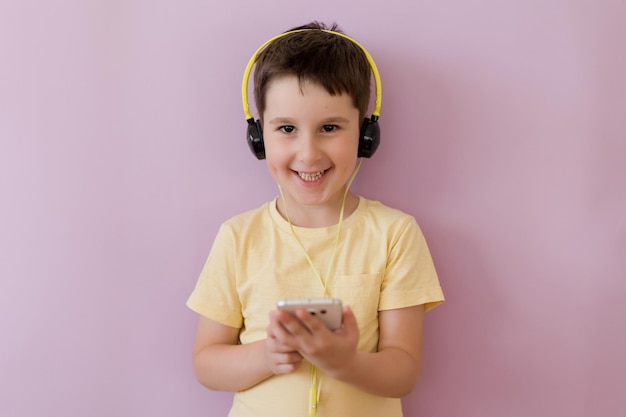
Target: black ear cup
(255, 138)
(370, 137)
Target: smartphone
(328, 310)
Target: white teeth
(311, 176)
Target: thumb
(349, 320)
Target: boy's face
(311, 141)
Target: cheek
(271, 144)
(349, 155)
(275, 161)
(277, 150)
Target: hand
(331, 351)
(280, 358)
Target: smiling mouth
(311, 176)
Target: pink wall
(122, 150)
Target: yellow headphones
(370, 131)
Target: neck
(314, 216)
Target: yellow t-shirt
(382, 263)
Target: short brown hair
(334, 62)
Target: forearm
(391, 372)
(224, 367)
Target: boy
(316, 239)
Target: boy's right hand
(280, 358)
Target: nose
(309, 150)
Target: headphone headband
(370, 60)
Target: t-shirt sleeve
(410, 277)
(215, 294)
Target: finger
(292, 324)
(284, 362)
(290, 357)
(271, 329)
(276, 346)
(349, 322)
(311, 323)
(283, 338)
(348, 315)
(276, 327)
(286, 368)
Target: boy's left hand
(329, 350)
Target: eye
(329, 128)
(287, 129)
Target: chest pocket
(362, 294)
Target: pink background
(122, 150)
